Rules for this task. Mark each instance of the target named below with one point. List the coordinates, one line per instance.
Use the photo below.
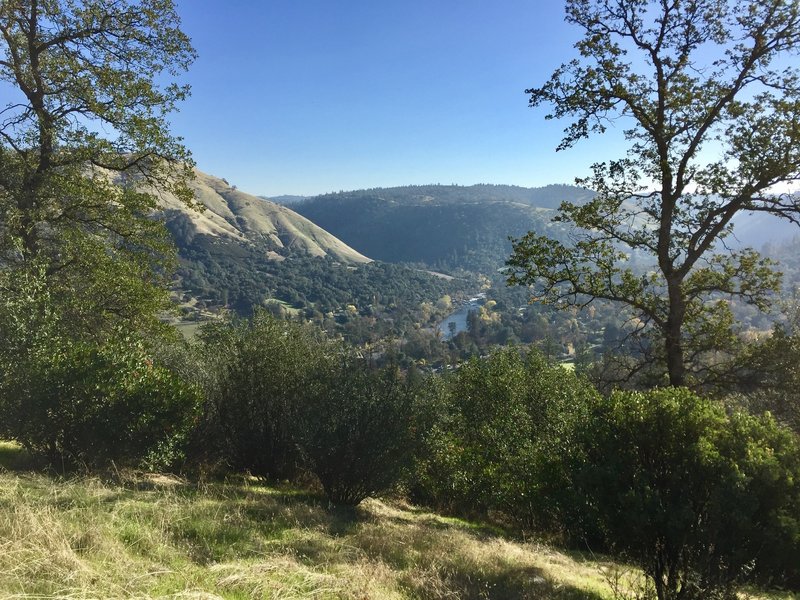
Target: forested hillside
(243, 252)
(445, 227)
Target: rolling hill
(444, 227)
(234, 216)
(243, 251)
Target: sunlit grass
(151, 536)
(13, 457)
(85, 538)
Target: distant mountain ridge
(761, 229)
(243, 250)
(442, 226)
(286, 199)
(549, 196)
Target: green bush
(284, 399)
(78, 403)
(497, 430)
(359, 433)
(769, 374)
(698, 499)
(262, 374)
(477, 424)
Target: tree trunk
(673, 345)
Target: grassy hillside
(231, 215)
(161, 537)
(149, 536)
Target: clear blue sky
(310, 96)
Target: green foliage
(683, 76)
(83, 273)
(770, 372)
(84, 404)
(263, 373)
(359, 432)
(497, 428)
(81, 396)
(285, 399)
(443, 227)
(78, 68)
(76, 206)
(210, 267)
(699, 500)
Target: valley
(430, 391)
(392, 268)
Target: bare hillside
(233, 214)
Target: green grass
(153, 536)
(14, 458)
(189, 329)
(286, 306)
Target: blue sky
(310, 96)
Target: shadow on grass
(15, 458)
(433, 556)
(520, 584)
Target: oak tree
(708, 93)
(88, 85)
(85, 149)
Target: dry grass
(84, 538)
(162, 537)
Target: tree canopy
(84, 149)
(90, 85)
(709, 97)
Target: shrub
(497, 432)
(698, 499)
(769, 374)
(262, 373)
(282, 398)
(478, 425)
(359, 433)
(78, 403)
